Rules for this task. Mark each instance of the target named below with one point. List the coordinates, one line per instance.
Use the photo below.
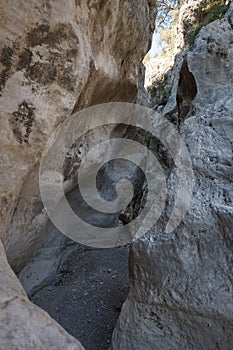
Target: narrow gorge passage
(90, 285)
(172, 289)
(87, 293)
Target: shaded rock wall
(181, 286)
(56, 58)
(23, 324)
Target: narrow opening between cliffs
(86, 294)
(84, 288)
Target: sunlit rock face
(181, 287)
(165, 65)
(57, 57)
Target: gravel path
(87, 294)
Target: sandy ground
(87, 293)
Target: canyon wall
(181, 287)
(57, 58)
(23, 324)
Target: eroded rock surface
(23, 324)
(56, 58)
(181, 287)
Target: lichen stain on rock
(55, 66)
(54, 69)
(42, 34)
(22, 122)
(6, 61)
(43, 73)
(25, 59)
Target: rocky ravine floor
(87, 293)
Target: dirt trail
(87, 293)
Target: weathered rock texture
(56, 58)
(161, 67)
(23, 324)
(181, 286)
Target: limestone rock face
(181, 287)
(27, 326)
(56, 58)
(165, 66)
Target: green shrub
(194, 33)
(159, 92)
(217, 12)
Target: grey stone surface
(42, 267)
(23, 324)
(181, 287)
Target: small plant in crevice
(159, 91)
(216, 13)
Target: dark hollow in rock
(186, 91)
(23, 121)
